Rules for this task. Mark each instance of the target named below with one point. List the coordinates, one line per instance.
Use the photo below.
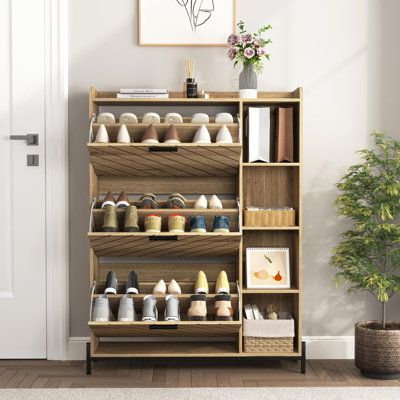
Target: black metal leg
(303, 358)
(88, 360)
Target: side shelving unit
(192, 170)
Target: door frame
(56, 154)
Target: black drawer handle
(163, 148)
(173, 238)
(163, 326)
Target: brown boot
(223, 307)
(198, 307)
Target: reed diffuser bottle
(190, 86)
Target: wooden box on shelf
(259, 218)
(264, 336)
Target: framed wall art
(267, 268)
(186, 22)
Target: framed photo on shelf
(267, 268)
(186, 22)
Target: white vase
(123, 135)
(224, 136)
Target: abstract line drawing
(198, 11)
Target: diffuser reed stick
(190, 85)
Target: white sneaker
(200, 118)
(126, 310)
(160, 288)
(151, 118)
(215, 203)
(201, 202)
(101, 310)
(128, 118)
(202, 135)
(106, 118)
(224, 118)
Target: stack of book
(143, 94)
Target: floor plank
(178, 373)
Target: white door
(22, 187)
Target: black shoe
(111, 283)
(132, 283)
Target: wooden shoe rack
(192, 170)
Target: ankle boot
(223, 307)
(131, 219)
(201, 285)
(222, 285)
(198, 307)
(110, 223)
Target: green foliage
(368, 257)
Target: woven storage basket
(267, 345)
(268, 336)
(269, 218)
(377, 350)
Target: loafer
(223, 308)
(150, 135)
(221, 224)
(201, 285)
(102, 135)
(215, 203)
(101, 310)
(222, 284)
(108, 200)
(175, 201)
(160, 288)
(131, 219)
(147, 201)
(173, 287)
(132, 283)
(172, 135)
(110, 222)
(126, 310)
(201, 202)
(172, 309)
(149, 311)
(198, 307)
(123, 200)
(111, 286)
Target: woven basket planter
(377, 351)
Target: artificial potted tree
(368, 257)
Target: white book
(128, 91)
(256, 312)
(142, 96)
(259, 134)
(248, 311)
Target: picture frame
(267, 268)
(190, 23)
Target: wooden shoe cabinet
(190, 169)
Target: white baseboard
(318, 347)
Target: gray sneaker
(126, 310)
(149, 312)
(102, 311)
(172, 310)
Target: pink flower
(247, 38)
(233, 39)
(260, 51)
(257, 42)
(232, 53)
(249, 52)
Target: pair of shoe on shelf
(221, 224)
(198, 301)
(130, 118)
(110, 222)
(131, 285)
(175, 201)
(161, 287)
(214, 204)
(171, 136)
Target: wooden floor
(176, 373)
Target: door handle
(31, 139)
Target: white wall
(345, 55)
